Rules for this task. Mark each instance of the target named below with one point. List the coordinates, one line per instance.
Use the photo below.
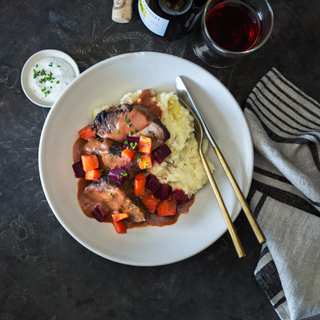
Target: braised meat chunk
(130, 120)
(115, 198)
(108, 122)
(109, 155)
(157, 132)
(108, 152)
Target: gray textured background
(44, 272)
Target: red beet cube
(163, 192)
(152, 183)
(179, 196)
(78, 169)
(99, 214)
(161, 153)
(131, 142)
(119, 175)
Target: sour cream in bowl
(46, 74)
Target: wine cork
(122, 11)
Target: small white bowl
(32, 61)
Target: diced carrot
(145, 161)
(150, 201)
(145, 145)
(89, 162)
(93, 175)
(167, 208)
(120, 226)
(119, 216)
(86, 132)
(128, 155)
(140, 185)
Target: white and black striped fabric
(285, 194)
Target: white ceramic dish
(32, 61)
(105, 83)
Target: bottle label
(152, 21)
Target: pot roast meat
(109, 155)
(155, 131)
(130, 120)
(115, 198)
(107, 123)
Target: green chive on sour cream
(49, 77)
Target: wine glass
(232, 29)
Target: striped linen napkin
(285, 194)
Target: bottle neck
(175, 7)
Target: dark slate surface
(44, 272)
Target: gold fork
(184, 96)
(233, 233)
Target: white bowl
(105, 83)
(32, 61)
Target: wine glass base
(206, 55)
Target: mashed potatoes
(183, 169)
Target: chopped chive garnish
(117, 131)
(126, 142)
(35, 73)
(58, 82)
(128, 121)
(50, 64)
(129, 125)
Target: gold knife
(184, 95)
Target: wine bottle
(171, 19)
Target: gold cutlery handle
(223, 208)
(252, 220)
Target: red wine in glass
(233, 25)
